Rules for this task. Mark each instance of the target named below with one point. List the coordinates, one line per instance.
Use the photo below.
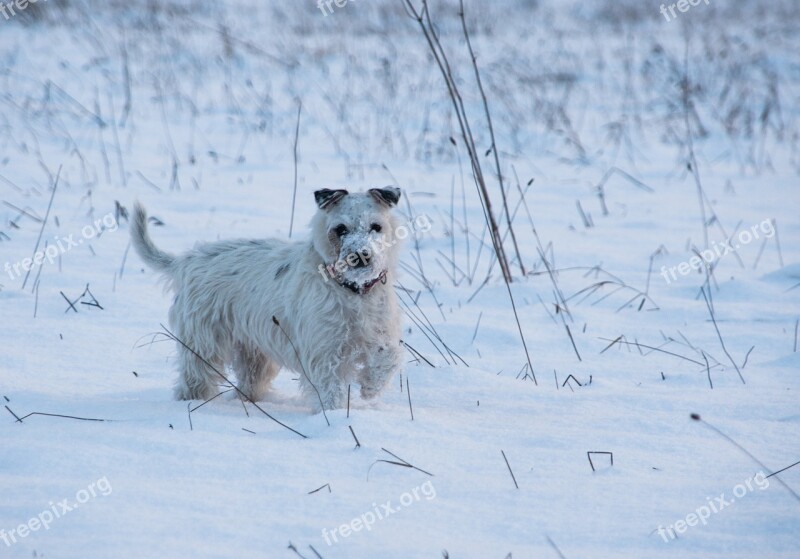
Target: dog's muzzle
(362, 289)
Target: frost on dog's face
(354, 232)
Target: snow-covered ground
(191, 107)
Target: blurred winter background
(631, 140)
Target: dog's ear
(388, 195)
(327, 198)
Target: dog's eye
(341, 230)
(376, 227)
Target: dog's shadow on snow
(293, 402)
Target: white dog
(336, 315)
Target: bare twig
(416, 353)
(491, 135)
(358, 444)
(692, 160)
(294, 191)
(328, 485)
(719, 335)
(589, 456)
(513, 478)
(408, 393)
(308, 378)
(708, 370)
(44, 223)
(241, 394)
(783, 469)
(19, 419)
(423, 18)
(697, 417)
(15, 415)
(620, 340)
(399, 462)
(555, 548)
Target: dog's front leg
(382, 363)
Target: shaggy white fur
(332, 295)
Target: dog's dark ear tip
(388, 195)
(326, 197)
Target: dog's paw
(183, 392)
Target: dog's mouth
(364, 288)
(358, 285)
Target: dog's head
(355, 234)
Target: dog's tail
(152, 255)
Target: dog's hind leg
(326, 386)
(197, 380)
(331, 393)
(254, 371)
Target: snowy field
(649, 162)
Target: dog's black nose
(364, 256)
